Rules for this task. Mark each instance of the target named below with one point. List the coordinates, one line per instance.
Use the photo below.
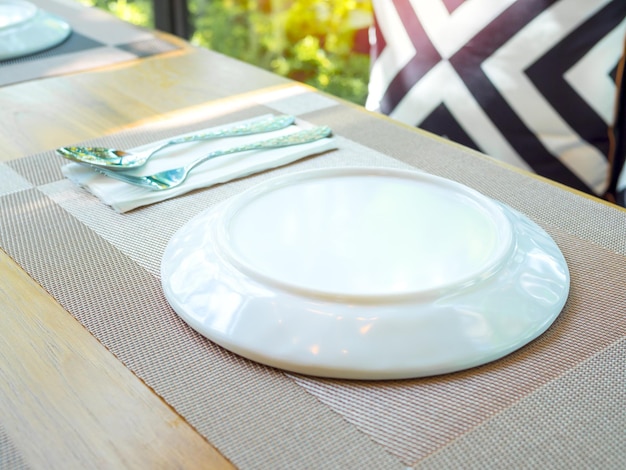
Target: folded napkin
(124, 197)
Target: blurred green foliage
(134, 11)
(319, 42)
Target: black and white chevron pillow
(530, 82)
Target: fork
(174, 177)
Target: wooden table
(65, 400)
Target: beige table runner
(556, 403)
(97, 39)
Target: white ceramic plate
(25, 29)
(14, 12)
(365, 273)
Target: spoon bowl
(114, 159)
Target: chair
(616, 190)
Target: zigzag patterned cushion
(530, 82)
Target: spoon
(169, 179)
(121, 160)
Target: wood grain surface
(65, 401)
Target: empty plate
(365, 273)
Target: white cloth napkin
(124, 197)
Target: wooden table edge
(66, 399)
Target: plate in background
(26, 29)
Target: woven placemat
(10, 456)
(97, 39)
(260, 417)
